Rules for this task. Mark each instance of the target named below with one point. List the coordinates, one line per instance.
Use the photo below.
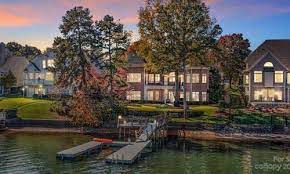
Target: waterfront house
(161, 87)
(267, 74)
(38, 80)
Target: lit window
(50, 63)
(43, 64)
(288, 78)
(134, 95)
(157, 95)
(171, 96)
(195, 78)
(150, 95)
(157, 78)
(204, 78)
(134, 77)
(172, 77)
(279, 77)
(258, 77)
(49, 76)
(246, 79)
(268, 65)
(204, 96)
(195, 96)
(187, 96)
(31, 76)
(150, 78)
(188, 78)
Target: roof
(278, 48)
(16, 65)
(133, 58)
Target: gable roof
(16, 65)
(280, 49)
(133, 58)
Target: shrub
(35, 96)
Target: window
(288, 78)
(195, 78)
(172, 77)
(49, 76)
(268, 65)
(204, 96)
(134, 95)
(204, 78)
(246, 79)
(268, 94)
(157, 78)
(258, 76)
(187, 96)
(31, 76)
(188, 78)
(150, 95)
(50, 63)
(279, 77)
(157, 95)
(150, 78)
(43, 64)
(195, 96)
(134, 77)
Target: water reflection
(35, 153)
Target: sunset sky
(35, 22)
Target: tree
(27, 51)
(81, 64)
(113, 41)
(8, 80)
(234, 49)
(74, 51)
(216, 88)
(178, 31)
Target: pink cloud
(17, 15)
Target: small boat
(103, 140)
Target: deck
(74, 152)
(128, 154)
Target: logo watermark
(277, 164)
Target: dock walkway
(131, 152)
(128, 154)
(79, 150)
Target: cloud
(16, 16)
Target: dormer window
(268, 65)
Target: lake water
(35, 153)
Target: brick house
(161, 87)
(267, 74)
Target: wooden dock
(83, 149)
(128, 154)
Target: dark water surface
(35, 153)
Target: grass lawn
(209, 112)
(29, 108)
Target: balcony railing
(38, 82)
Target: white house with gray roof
(37, 78)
